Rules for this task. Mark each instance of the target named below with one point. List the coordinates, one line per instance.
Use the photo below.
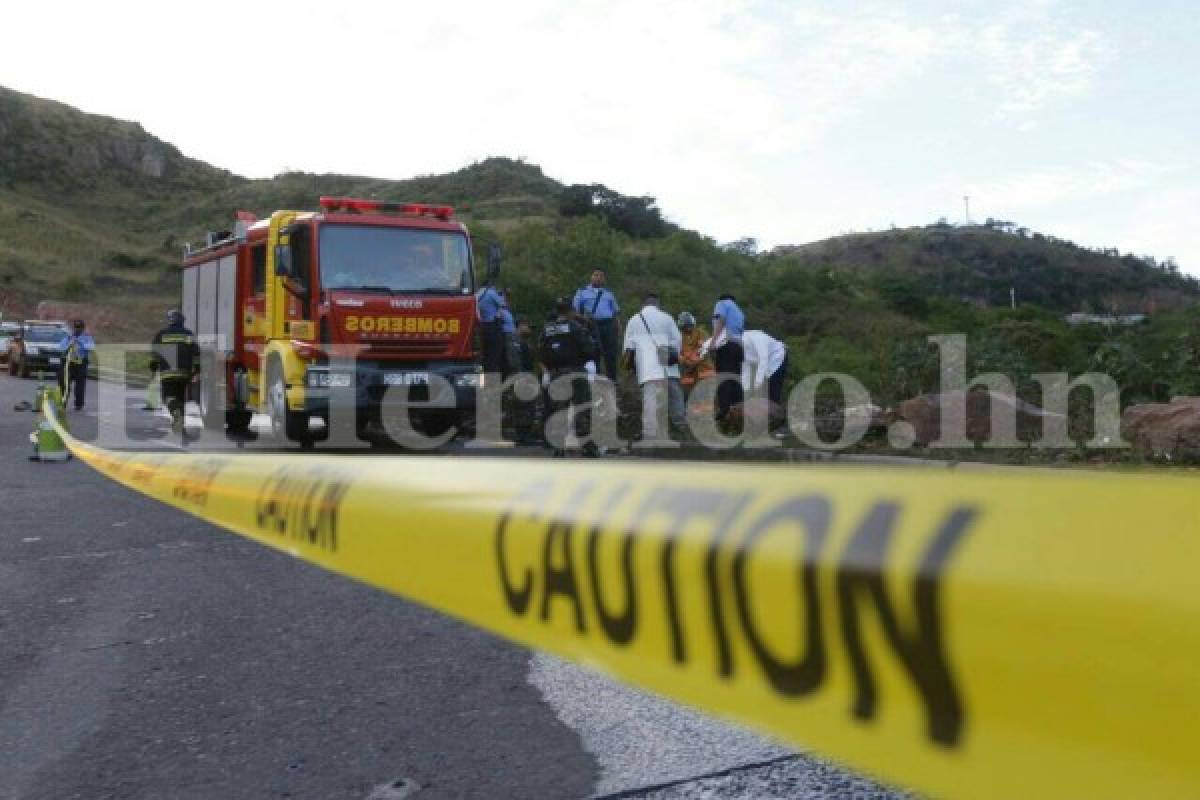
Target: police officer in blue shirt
(728, 319)
(507, 323)
(598, 306)
(488, 304)
(77, 347)
(508, 326)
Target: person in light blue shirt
(596, 300)
(507, 323)
(488, 303)
(728, 317)
(77, 347)
(598, 307)
(508, 327)
(729, 320)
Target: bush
(73, 288)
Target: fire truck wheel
(286, 425)
(435, 425)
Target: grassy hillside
(97, 209)
(981, 263)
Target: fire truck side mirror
(283, 261)
(495, 253)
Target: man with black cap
(77, 347)
(565, 347)
(176, 359)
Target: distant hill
(90, 204)
(96, 209)
(981, 263)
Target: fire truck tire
(435, 424)
(286, 425)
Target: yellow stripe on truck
(995, 635)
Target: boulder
(924, 414)
(1164, 430)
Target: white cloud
(750, 117)
(1050, 186)
(1033, 63)
(1152, 226)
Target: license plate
(406, 379)
(55, 361)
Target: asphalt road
(147, 654)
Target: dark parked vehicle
(35, 349)
(7, 331)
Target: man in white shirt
(651, 335)
(764, 361)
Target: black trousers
(74, 378)
(512, 354)
(775, 383)
(581, 398)
(607, 328)
(728, 360)
(174, 393)
(492, 334)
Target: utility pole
(967, 209)
(1012, 297)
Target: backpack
(559, 345)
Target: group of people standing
(668, 355)
(674, 354)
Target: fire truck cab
(304, 312)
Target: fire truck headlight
(324, 379)
(469, 380)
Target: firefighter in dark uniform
(566, 345)
(176, 360)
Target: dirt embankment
(133, 322)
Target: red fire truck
(307, 310)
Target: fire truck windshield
(394, 259)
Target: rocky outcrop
(1164, 430)
(53, 147)
(924, 414)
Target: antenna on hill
(967, 209)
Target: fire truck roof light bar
(354, 205)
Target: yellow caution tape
(999, 635)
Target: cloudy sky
(786, 121)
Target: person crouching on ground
(693, 366)
(764, 361)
